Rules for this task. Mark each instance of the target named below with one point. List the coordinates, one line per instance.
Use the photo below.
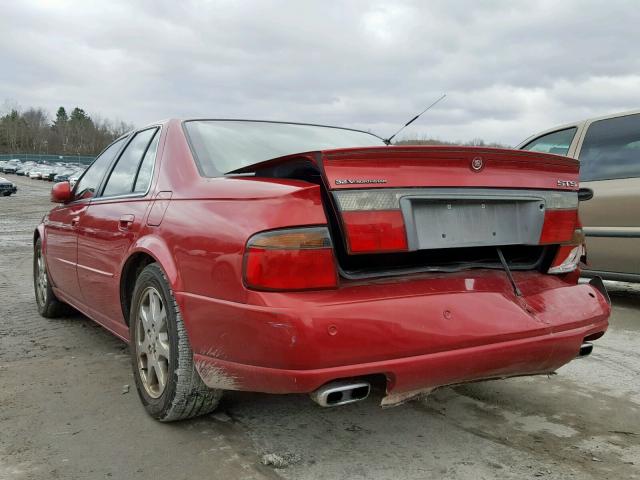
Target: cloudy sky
(508, 68)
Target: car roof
(211, 119)
(277, 121)
(578, 123)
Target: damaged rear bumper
(407, 377)
(419, 337)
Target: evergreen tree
(31, 131)
(61, 118)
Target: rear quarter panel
(207, 236)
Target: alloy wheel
(152, 343)
(41, 279)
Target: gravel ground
(65, 410)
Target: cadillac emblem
(477, 164)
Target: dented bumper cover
(420, 334)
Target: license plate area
(458, 220)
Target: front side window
(123, 175)
(611, 149)
(556, 142)
(222, 146)
(90, 180)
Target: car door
(609, 157)
(61, 227)
(111, 224)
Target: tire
(48, 304)
(170, 388)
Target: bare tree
(32, 131)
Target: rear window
(611, 149)
(556, 142)
(221, 146)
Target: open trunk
(405, 209)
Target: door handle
(125, 222)
(75, 221)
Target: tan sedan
(609, 152)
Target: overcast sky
(509, 68)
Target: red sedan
(293, 258)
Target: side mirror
(585, 194)
(61, 192)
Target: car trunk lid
(404, 208)
(397, 199)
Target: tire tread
(192, 397)
(53, 307)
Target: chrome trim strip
(66, 261)
(389, 198)
(612, 232)
(98, 200)
(95, 270)
(615, 276)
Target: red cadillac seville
(282, 257)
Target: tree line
(476, 142)
(77, 133)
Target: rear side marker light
(290, 259)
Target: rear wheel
(48, 304)
(166, 378)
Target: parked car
(11, 167)
(75, 176)
(47, 173)
(609, 152)
(7, 187)
(35, 173)
(63, 175)
(9, 163)
(276, 257)
(25, 168)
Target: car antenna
(388, 140)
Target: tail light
(559, 226)
(290, 259)
(569, 254)
(560, 217)
(373, 220)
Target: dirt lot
(65, 411)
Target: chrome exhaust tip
(341, 392)
(585, 349)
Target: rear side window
(124, 174)
(146, 168)
(556, 142)
(611, 149)
(86, 186)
